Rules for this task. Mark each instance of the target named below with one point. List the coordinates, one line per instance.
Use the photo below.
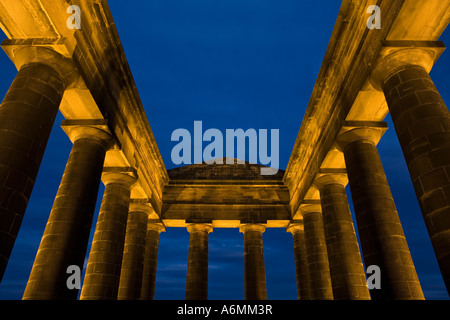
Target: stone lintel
(208, 183)
(231, 224)
(277, 223)
(396, 54)
(129, 170)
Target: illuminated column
(383, 242)
(316, 251)
(197, 270)
(422, 122)
(27, 114)
(131, 275)
(255, 273)
(150, 260)
(301, 263)
(101, 281)
(133, 253)
(347, 271)
(66, 235)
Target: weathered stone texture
(301, 263)
(347, 270)
(101, 281)
(27, 114)
(150, 261)
(422, 123)
(133, 256)
(255, 274)
(383, 242)
(66, 235)
(317, 256)
(197, 270)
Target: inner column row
(197, 270)
(333, 261)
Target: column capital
(124, 178)
(140, 207)
(323, 179)
(295, 226)
(370, 134)
(398, 54)
(305, 208)
(89, 129)
(199, 227)
(54, 55)
(252, 227)
(156, 226)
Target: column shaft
(133, 256)
(150, 261)
(316, 250)
(66, 235)
(27, 114)
(197, 270)
(422, 123)
(134, 253)
(255, 273)
(101, 281)
(347, 271)
(301, 263)
(382, 239)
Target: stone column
(27, 114)
(66, 235)
(150, 260)
(347, 271)
(255, 273)
(134, 252)
(316, 251)
(101, 281)
(381, 234)
(301, 263)
(197, 269)
(422, 122)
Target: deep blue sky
(231, 64)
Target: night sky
(231, 64)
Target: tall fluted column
(101, 281)
(347, 271)
(255, 273)
(316, 251)
(150, 260)
(301, 263)
(66, 235)
(383, 242)
(27, 115)
(422, 122)
(197, 270)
